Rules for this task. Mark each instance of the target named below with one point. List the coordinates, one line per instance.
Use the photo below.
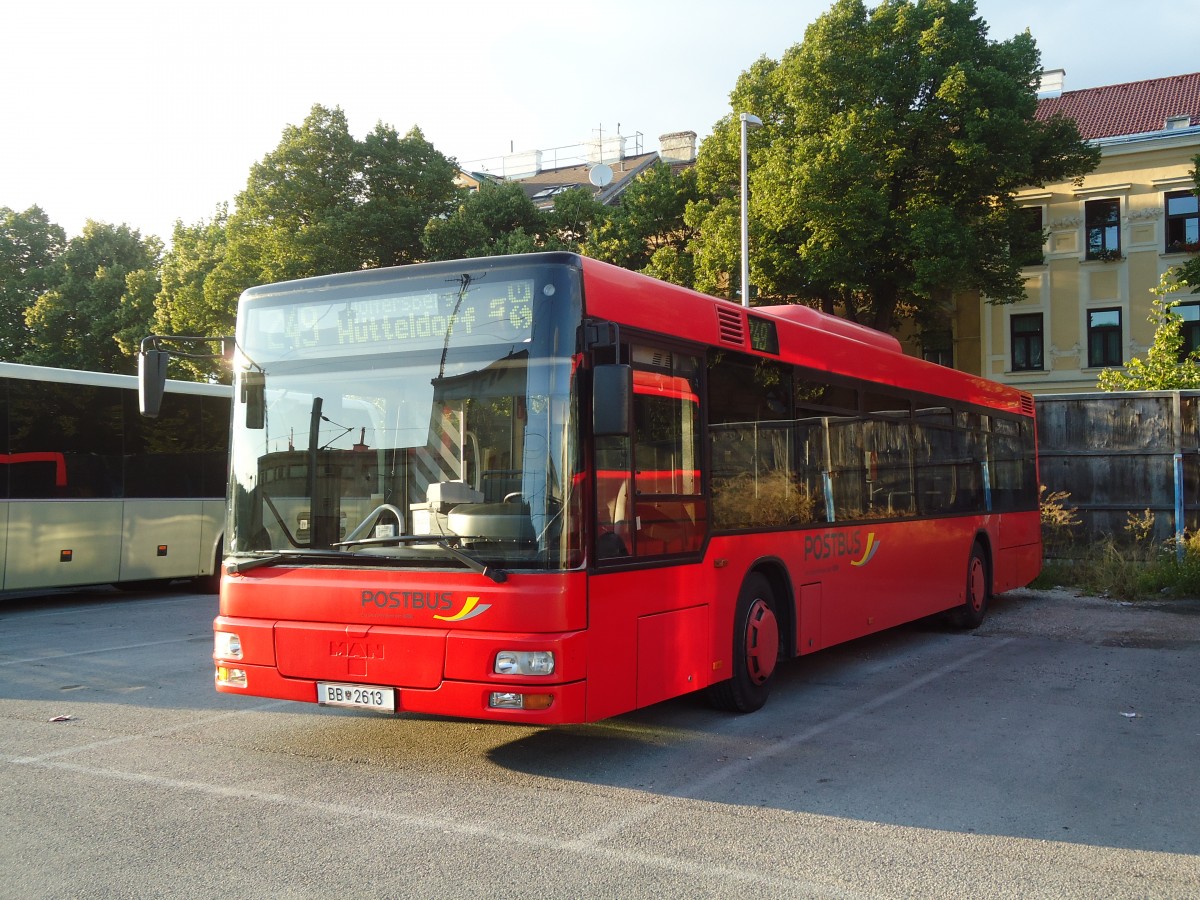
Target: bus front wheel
(979, 589)
(755, 650)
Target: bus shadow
(831, 742)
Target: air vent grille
(731, 326)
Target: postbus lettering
(407, 599)
(833, 545)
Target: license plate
(358, 696)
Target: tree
(297, 214)
(193, 298)
(570, 222)
(29, 246)
(883, 179)
(1165, 367)
(494, 220)
(647, 230)
(100, 301)
(320, 202)
(407, 183)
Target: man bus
(544, 489)
(94, 493)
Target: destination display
(483, 313)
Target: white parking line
(91, 651)
(584, 845)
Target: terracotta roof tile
(1137, 107)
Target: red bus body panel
(637, 635)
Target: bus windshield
(393, 419)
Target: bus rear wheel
(755, 650)
(979, 589)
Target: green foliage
(1140, 526)
(196, 297)
(647, 230)
(573, 217)
(499, 219)
(883, 179)
(1129, 571)
(295, 216)
(99, 303)
(1164, 368)
(29, 246)
(320, 202)
(1059, 520)
(407, 183)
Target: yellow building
(1108, 241)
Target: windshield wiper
(273, 559)
(495, 573)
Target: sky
(144, 113)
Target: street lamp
(748, 122)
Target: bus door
(650, 517)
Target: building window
(1104, 338)
(1026, 341)
(1190, 313)
(1183, 221)
(937, 346)
(1030, 251)
(1102, 219)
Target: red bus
(544, 489)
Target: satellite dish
(600, 175)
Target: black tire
(145, 584)
(978, 593)
(755, 650)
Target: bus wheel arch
(978, 591)
(761, 629)
(211, 583)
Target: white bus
(93, 493)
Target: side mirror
(612, 400)
(254, 395)
(152, 381)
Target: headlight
(524, 662)
(227, 645)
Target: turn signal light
(227, 677)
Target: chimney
(604, 150)
(677, 147)
(522, 165)
(1052, 83)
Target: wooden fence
(1123, 453)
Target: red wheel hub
(976, 584)
(762, 642)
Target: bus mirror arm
(152, 366)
